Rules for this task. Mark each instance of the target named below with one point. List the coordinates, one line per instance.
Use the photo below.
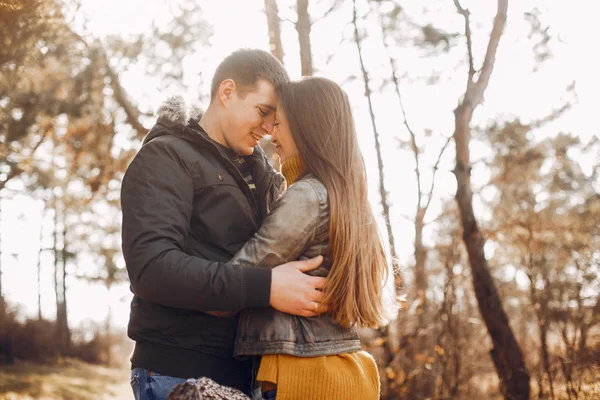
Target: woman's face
(282, 137)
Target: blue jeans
(150, 385)
(270, 394)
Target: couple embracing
(249, 281)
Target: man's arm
(157, 204)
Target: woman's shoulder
(309, 185)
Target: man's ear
(226, 90)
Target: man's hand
(294, 292)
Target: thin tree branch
(435, 220)
(382, 192)
(407, 217)
(14, 172)
(490, 54)
(15, 169)
(334, 5)
(411, 131)
(435, 169)
(466, 15)
(132, 114)
(413, 138)
(339, 43)
(475, 90)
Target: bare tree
(390, 343)
(449, 347)
(506, 354)
(368, 93)
(272, 12)
(423, 382)
(39, 264)
(60, 274)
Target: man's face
(250, 117)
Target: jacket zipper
(245, 188)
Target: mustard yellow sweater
(350, 376)
(338, 377)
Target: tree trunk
(539, 300)
(420, 261)
(545, 355)
(39, 262)
(303, 26)
(274, 29)
(66, 334)
(56, 256)
(506, 354)
(451, 348)
(39, 266)
(6, 333)
(544, 323)
(424, 383)
(1, 294)
(107, 329)
(62, 328)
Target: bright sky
(514, 91)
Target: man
(193, 195)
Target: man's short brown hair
(246, 67)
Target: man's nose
(268, 127)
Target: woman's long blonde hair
(322, 126)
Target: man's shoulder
(175, 144)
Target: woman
(325, 211)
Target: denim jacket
(296, 228)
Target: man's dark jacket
(186, 211)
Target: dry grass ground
(75, 380)
(70, 380)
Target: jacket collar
(176, 118)
(182, 121)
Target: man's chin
(248, 151)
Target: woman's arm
(286, 231)
(284, 234)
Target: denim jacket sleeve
(286, 231)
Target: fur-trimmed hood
(174, 115)
(176, 110)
